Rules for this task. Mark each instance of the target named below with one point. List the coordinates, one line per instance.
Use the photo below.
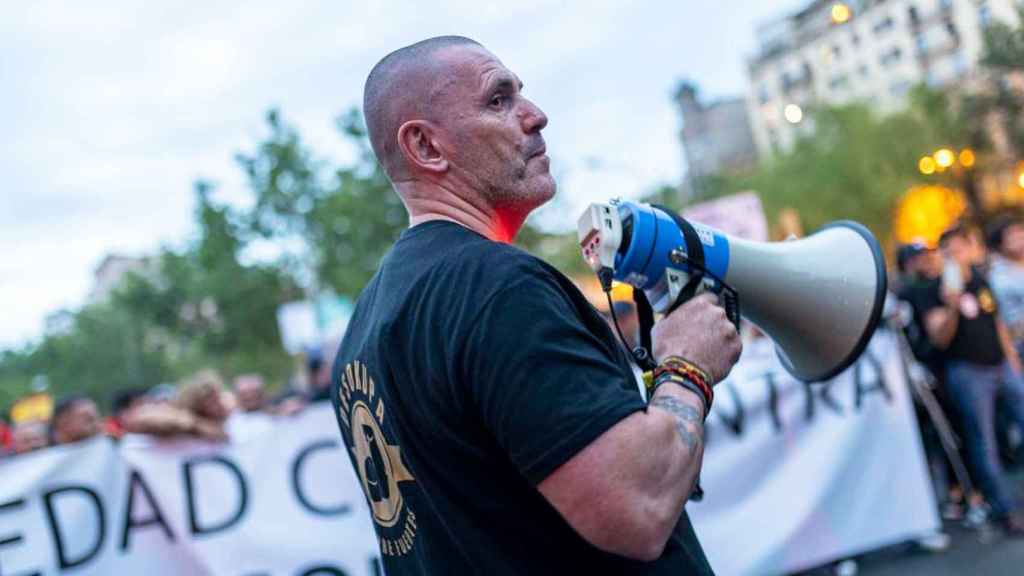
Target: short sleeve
(544, 386)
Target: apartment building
(836, 52)
(716, 138)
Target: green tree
(343, 223)
(1004, 55)
(857, 162)
(204, 307)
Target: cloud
(118, 106)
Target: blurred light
(1020, 180)
(967, 158)
(924, 212)
(793, 113)
(944, 158)
(622, 291)
(926, 165)
(841, 13)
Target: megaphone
(818, 298)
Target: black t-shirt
(471, 371)
(917, 293)
(977, 338)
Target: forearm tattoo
(689, 423)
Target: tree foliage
(207, 304)
(856, 162)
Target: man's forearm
(688, 410)
(686, 451)
(624, 493)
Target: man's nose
(533, 118)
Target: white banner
(797, 475)
(280, 504)
(794, 475)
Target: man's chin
(544, 189)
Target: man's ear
(416, 138)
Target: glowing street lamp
(944, 158)
(1020, 179)
(926, 165)
(793, 113)
(967, 158)
(841, 13)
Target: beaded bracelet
(678, 362)
(685, 383)
(678, 369)
(686, 370)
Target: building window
(921, 42)
(915, 18)
(959, 63)
(855, 39)
(836, 51)
(946, 4)
(883, 25)
(891, 57)
(762, 95)
(838, 83)
(984, 15)
(863, 70)
(899, 88)
(953, 32)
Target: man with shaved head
(491, 416)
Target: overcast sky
(110, 110)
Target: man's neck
(427, 202)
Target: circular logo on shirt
(986, 301)
(378, 460)
(969, 306)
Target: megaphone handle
(731, 303)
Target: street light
(926, 165)
(841, 13)
(967, 158)
(793, 113)
(944, 158)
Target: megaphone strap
(694, 256)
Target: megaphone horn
(818, 298)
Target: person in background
(124, 404)
(288, 402)
(981, 364)
(28, 436)
(5, 437)
(1006, 238)
(251, 393)
(919, 267)
(203, 398)
(319, 373)
(252, 417)
(75, 418)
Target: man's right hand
(699, 331)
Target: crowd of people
(966, 328)
(201, 406)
